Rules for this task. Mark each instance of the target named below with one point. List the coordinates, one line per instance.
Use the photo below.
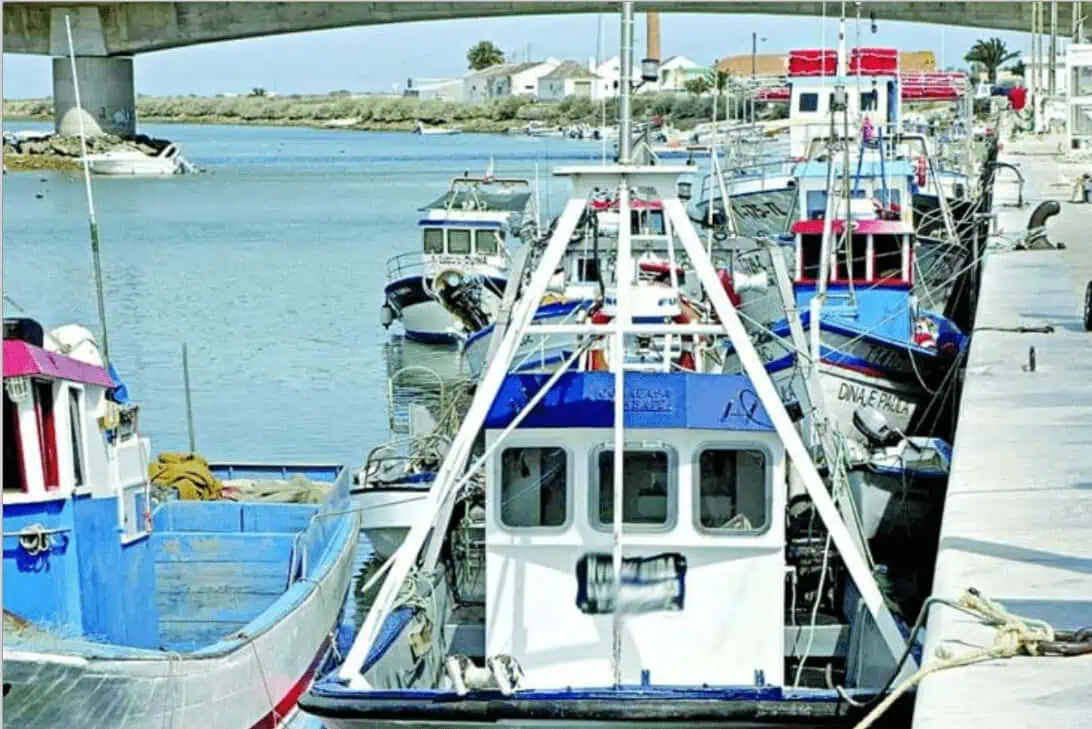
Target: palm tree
(991, 54)
(483, 55)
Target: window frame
(469, 242)
(76, 434)
(570, 502)
(498, 240)
(713, 445)
(424, 241)
(673, 486)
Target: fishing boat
(877, 347)
(392, 485)
(134, 163)
(422, 129)
(552, 580)
(140, 612)
(611, 544)
(452, 286)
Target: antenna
(92, 222)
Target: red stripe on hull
(288, 702)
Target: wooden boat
(132, 613)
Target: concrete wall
(106, 95)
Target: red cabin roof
(22, 359)
(634, 204)
(813, 62)
(775, 93)
(860, 227)
(873, 62)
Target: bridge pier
(106, 96)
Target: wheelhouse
(703, 513)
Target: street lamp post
(754, 70)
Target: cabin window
(888, 198)
(809, 102)
(487, 242)
(434, 241)
(810, 253)
(888, 253)
(732, 490)
(47, 434)
(853, 259)
(587, 269)
(534, 487)
(870, 100)
(458, 242)
(13, 456)
(646, 492)
(75, 429)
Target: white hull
(386, 514)
(153, 167)
(428, 321)
(255, 685)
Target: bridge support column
(106, 96)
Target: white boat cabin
(872, 97)
(64, 437)
(704, 533)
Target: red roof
(860, 227)
(634, 204)
(774, 93)
(873, 62)
(22, 360)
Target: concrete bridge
(107, 35)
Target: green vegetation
(381, 113)
(483, 55)
(990, 55)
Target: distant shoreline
(390, 113)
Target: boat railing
(403, 265)
(309, 543)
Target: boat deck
(1018, 518)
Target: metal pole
(189, 401)
(91, 221)
(625, 115)
(1079, 14)
(754, 55)
(1052, 61)
(624, 277)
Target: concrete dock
(1018, 516)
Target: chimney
(652, 34)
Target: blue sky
(376, 58)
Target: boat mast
(623, 276)
(92, 222)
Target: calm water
(270, 267)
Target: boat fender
(922, 169)
(386, 315)
(872, 424)
(466, 677)
(729, 287)
(506, 672)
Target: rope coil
(1016, 635)
(35, 540)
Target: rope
(1016, 635)
(265, 684)
(34, 540)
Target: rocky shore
(57, 152)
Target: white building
(507, 79)
(1033, 74)
(675, 72)
(568, 79)
(609, 72)
(1079, 92)
(440, 89)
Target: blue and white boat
(124, 613)
(877, 346)
(454, 284)
(618, 552)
